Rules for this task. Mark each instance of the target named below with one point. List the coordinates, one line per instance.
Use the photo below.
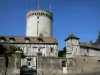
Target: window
(37, 17)
(27, 39)
(12, 39)
(29, 59)
(51, 49)
(35, 13)
(28, 63)
(39, 13)
(2, 39)
(98, 60)
(34, 50)
(63, 63)
(38, 50)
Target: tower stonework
(39, 22)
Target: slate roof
(21, 39)
(89, 45)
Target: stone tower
(39, 22)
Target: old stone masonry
(41, 50)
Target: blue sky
(81, 17)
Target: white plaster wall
(68, 48)
(93, 52)
(89, 52)
(33, 62)
(23, 62)
(72, 47)
(32, 49)
(75, 42)
(45, 49)
(44, 26)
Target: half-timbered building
(76, 48)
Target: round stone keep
(39, 22)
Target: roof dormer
(27, 39)
(11, 39)
(2, 39)
(40, 38)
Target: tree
(98, 39)
(8, 51)
(13, 49)
(62, 53)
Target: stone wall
(76, 65)
(17, 63)
(14, 65)
(50, 65)
(87, 64)
(83, 64)
(2, 65)
(10, 68)
(93, 73)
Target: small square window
(37, 17)
(12, 39)
(63, 63)
(51, 49)
(28, 63)
(2, 39)
(38, 50)
(98, 60)
(27, 39)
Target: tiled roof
(21, 39)
(71, 35)
(89, 45)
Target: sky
(80, 17)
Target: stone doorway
(31, 67)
